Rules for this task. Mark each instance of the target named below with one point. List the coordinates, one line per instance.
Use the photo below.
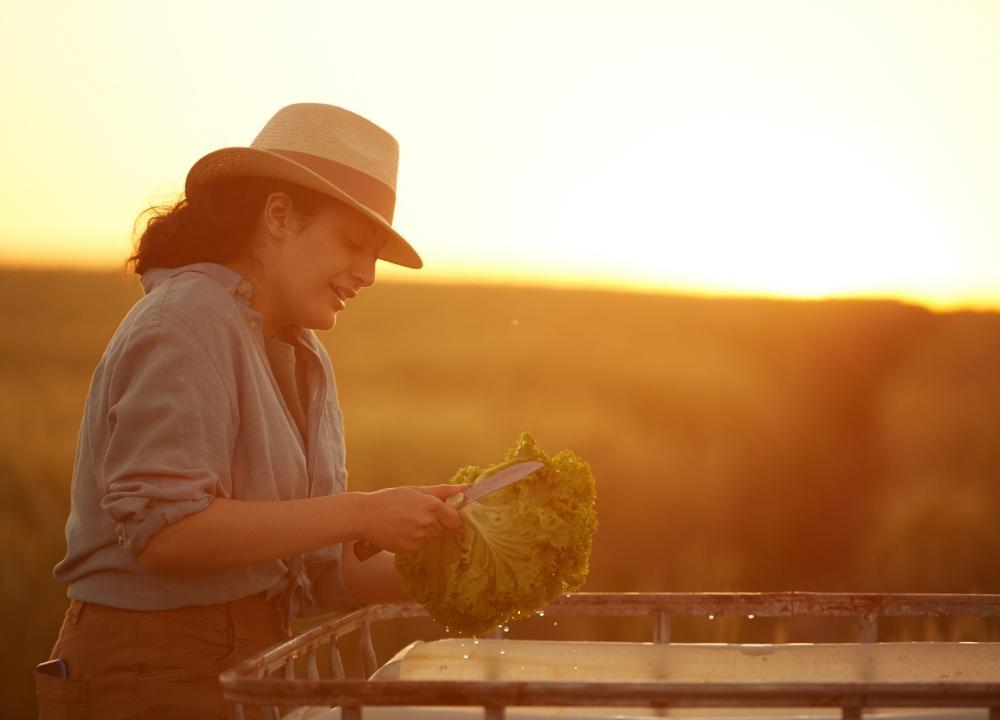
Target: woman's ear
(278, 219)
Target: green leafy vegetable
(518, 548)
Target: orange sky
(804, 149)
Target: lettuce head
(518, 548)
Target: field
(737, 444)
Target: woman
(209, 502)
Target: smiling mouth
(342, 294)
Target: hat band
(370, 192)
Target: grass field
(737, 444)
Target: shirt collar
(235, 284)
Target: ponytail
(215, 225)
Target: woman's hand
(401, 519)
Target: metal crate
(268, 679)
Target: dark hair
(215, 224)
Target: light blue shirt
(183, 408)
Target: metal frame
(253, 681)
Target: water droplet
(750, 616)
(711, 617)
(576, 667)
(522, 667)
(503, 652)
(465, 657)
(518, 612)
(447, 629)
(475, 642)
(541, 613)
(554, 623)
(506, 628)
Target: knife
(480, 489)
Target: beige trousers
(153, 664)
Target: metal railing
(268, 679)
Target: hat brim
(251, 162)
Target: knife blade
(480, 489)
(497, 481)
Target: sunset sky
(793, 148)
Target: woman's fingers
(432, 527)
(449, 517)
(428, 530)
(403, 518)
(442, 492)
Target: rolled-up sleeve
(171, 429)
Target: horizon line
(555, 282)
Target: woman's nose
(364, 271)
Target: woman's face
(315, 268)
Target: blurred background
(741, 257)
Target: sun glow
(785, 148)
(759, 210)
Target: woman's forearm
(236, 532)
(374, 580)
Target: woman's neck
(261, 298)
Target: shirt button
(243, 288)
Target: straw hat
(325, 148)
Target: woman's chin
(326, 321)
(321, 320)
